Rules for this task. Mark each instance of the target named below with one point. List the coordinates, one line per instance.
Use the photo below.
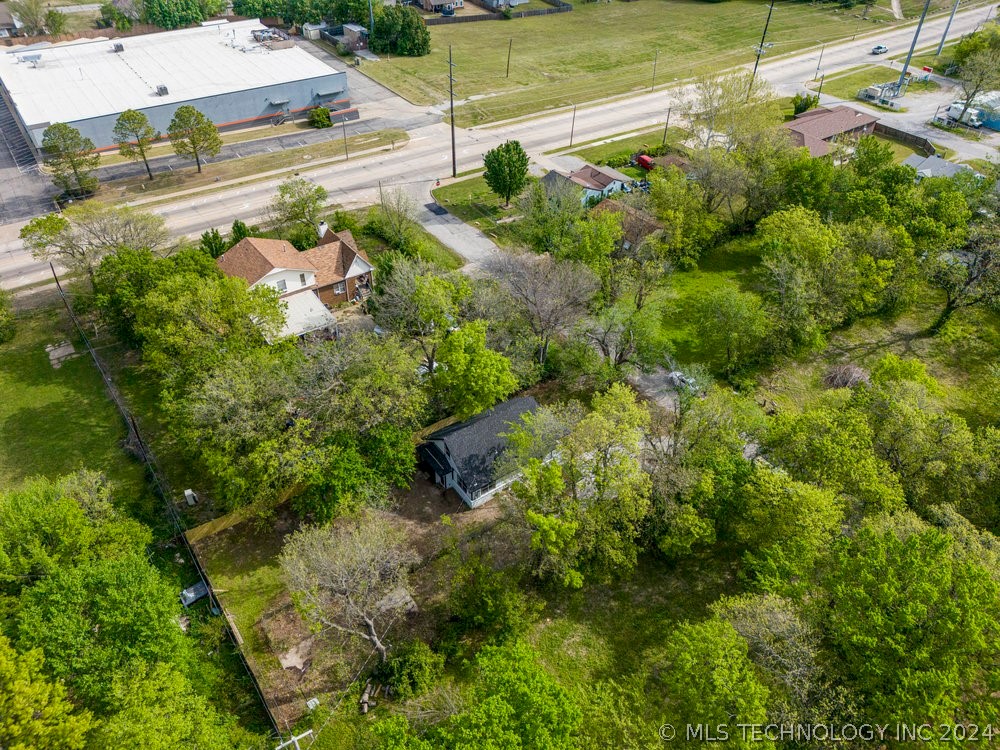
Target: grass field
(597, 50)
(55, 421)
(599, 152)
(473, 202)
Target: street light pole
(572, 126)
(451, 99)
(760, 49)
(820, 63)
(343, 122)
(509, 47)
(947, 27)
(655, 56)
(666, 127)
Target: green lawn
(473, 202)
(846, 85)
(55, 421)
(900, 151)
(597, 50)
(600, 151)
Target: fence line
(558, 6)
(918, 143)
(162, 489)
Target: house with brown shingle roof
(343, 271)
(597, 182)
(637, 224)
(277, 264)
(818, 129)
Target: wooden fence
(916, 142)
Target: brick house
(818, 129)
(343, 271)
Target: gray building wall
(232, 109)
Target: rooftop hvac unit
(162, 90)
(118, 47)
(34, 58)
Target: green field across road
(598, 50)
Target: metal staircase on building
(14, 142)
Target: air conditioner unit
(118, 47)
(190, 497)
(162, 90)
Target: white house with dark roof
(464, 456)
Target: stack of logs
(368, 696)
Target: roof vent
(118, 47)
(162, 90)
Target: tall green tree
(400, 30)
(299, 203)
(31, 13)
(34, 710)
(85, 233)
(731, 323)
(172, 14)
(157, 708)
(472, 377)
(585, 507)
(517, 704)
(708, 674)
(134, 135)
(506, 170)
(193, 135)
(96, 619)
(72, 158)
(46, 526)
(968, 277)
(912, 625)
(189, 323)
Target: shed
(311, 30)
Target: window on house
(302, 278)
(340, 288)
(281, 285)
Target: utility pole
(820, 63)
(572, 126)
(760, 49)
(451, 99)
(343, 122)
(913, 44)
(822, 78)
(294, 741)
(947, 27)
(371, 22)
(666, 127)
(655, 56)
(509, 47)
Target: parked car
(879, 49)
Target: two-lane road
(427, 156)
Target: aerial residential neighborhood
(499, 374)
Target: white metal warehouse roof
(85, 79)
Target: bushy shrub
(320, 118)
(804, 102)
(6, 317)
(411, 670)
(342, 220)
(488, 602)
(619, 160)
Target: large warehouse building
(237, 74)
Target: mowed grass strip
(302, 158)
(595, 51)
